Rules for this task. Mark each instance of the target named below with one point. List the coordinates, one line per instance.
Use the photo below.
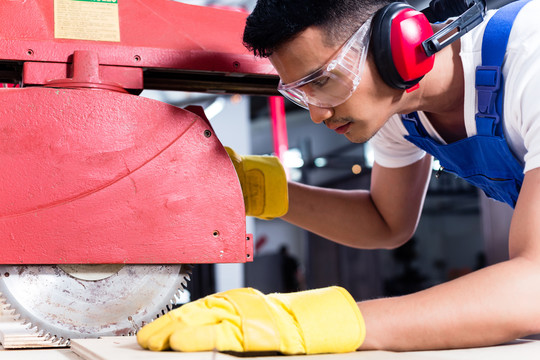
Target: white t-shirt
(521, 73)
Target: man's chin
(356, 138)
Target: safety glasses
(333, 83)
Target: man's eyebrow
(311, 72)
(316, 69)
(308, 73)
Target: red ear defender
(402, 40)
(409, 29)
(398, 31)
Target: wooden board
(39, 354)
(15, 335)
(126, 347)
(113, 348)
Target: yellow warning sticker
(86, 20)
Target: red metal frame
(177, 45)
(92, 174)
(157, 34)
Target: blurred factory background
(460, 229)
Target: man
(490, 306)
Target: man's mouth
(343, 128)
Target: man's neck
(441, 94)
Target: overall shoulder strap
(413, 125)
(488, 75)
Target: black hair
(274, 22)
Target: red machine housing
(92, 173)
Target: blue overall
(485, 159)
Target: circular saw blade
(66, 307)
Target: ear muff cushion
(381, 47)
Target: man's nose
(319, 114)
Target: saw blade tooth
(33, 328)
(134, 324)
(47, 337)
(10, 311)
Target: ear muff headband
(398, 31)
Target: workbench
(115, 348)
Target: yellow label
(86, 20)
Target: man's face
(364, 113)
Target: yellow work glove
(245, 320)
(264, 184)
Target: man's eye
(320, 82)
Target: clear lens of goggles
(333, 83)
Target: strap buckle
(488, 85)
